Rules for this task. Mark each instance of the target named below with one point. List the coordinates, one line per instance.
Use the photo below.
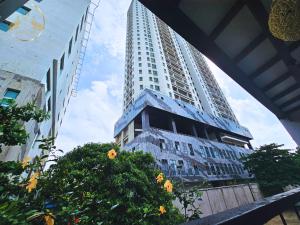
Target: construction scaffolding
(88, 25)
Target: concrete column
(249, 145)
(293, 128)
(145, 120)
(173, 125)
(206, 134)
(194, 130)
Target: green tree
(274, 168)
(13, 117)
(13, 202)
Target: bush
(87, 186)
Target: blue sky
(91, 115)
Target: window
(226, 168)
(213, 169)
(191, 149)
(207, 168)
(196, 169)
(231, 154)
(228, 154)
(153, 66)
(151, 86)
(157, 88)
(230, 169)
(49, 104)
(62, 62)
(140, 58)
(140, 71)
(48, 81)
(76, 35)
(141, 87)
(81, 23)
(5, 25)
(162, 144)
(154, 72)
(87, 10)
(177, 146)
(150, 78)
(212, 152)
(207, 152)
(23, 10)
(11, 94)
(140, 64)
(221, 153)
(70, 46)
(155, 80)
(140, 78)
(218, 169)
(180, 166)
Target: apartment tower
(173, 106)
(41, 47)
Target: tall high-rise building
(41, 48)
(173, 106)
(157, 58)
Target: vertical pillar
(282, 219)
(293, 128)
(249, 145)
(173, 125)
(145, 120)
(206, 134)
(194, 130)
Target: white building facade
(159, 59)
(41, 69)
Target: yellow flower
(162, 210)
(112, 154)
(168, 186)
(160, 178)
(32, 182)
(25, 161)
(49, 219)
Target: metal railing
(258, 213)
(86, 36)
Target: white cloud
(91, 115)
(262, 123)
(109, 28)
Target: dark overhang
(234, 34)
(8, 7)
